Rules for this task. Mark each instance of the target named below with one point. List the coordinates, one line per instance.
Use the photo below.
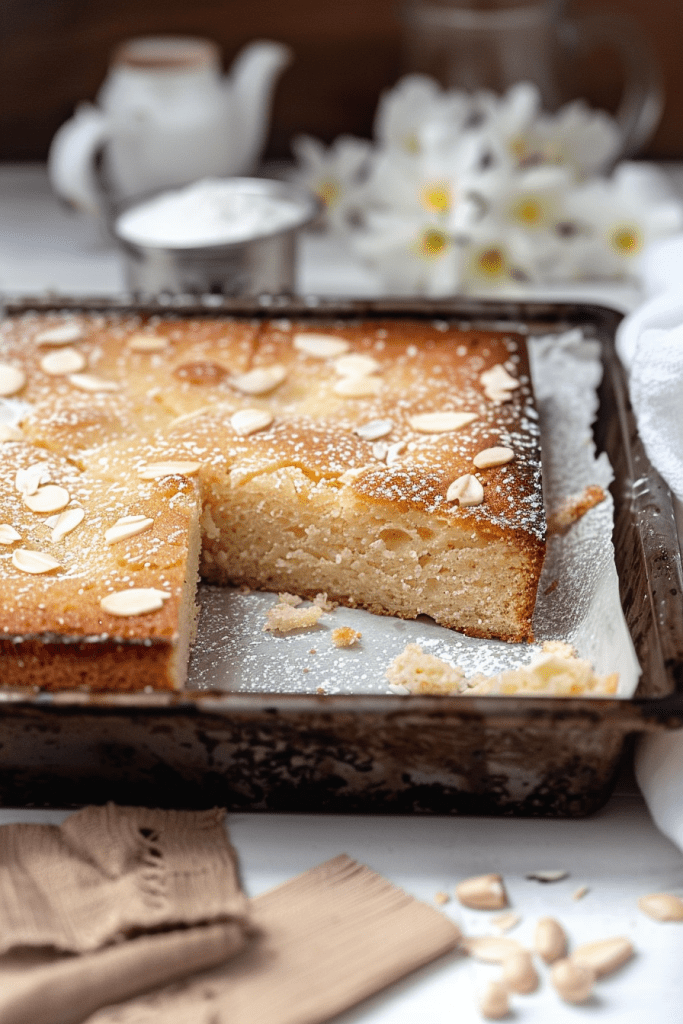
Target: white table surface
(617, 852)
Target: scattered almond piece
(375, 429)
(490, 457)
(579, 893)
(506, 922)
(494, 1003)
(62, 334)
(66, 522)
(12, 380)
(497, 383)
(127, 526)
(357, 387)
(441, 898)
(90, 382)
(320, 346)
(135, 601)
(156, 470)
(147, 343)
(466, 490)
(519, 973)
(63, 361)
(440, 422)
(482, 892)
(492, 949)
(27, 481)
(344, 636)
(572, 982)
(33, 562)
(283, 618)
(550, 941)
(604, 956)
(250, 421)
(356, 365)
(8, 535)
(50, 498)
(547, 875)
(260, 380)
(662, 906)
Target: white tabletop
(617, 853)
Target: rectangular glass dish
(378, 753)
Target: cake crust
(337, 479)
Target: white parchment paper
(578, 597)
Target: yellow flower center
(491, 263)
(328, 192)
(433, 243)
(626, 239)
(528, 211)
(437, 197)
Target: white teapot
(166, 116)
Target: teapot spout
(251, 82)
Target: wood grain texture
(54, 53)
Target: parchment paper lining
(232, 652)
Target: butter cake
(393, 464)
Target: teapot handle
(642, 101)
(71, 159)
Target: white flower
(416, 100)
(411, 252)
(610, 221)
(333, 174)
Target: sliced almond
(519, 973)
(12, 379)
(357, 387)
(353, 474)
(249, 421)
(28, 480)
(63, 334)
(8, 432)
(440, 422)
(466, 490)
(127, 526)
(497, 383)
(62, 362)
(8, 535)
(662, 906)
(490, 457)
(136, 601)
(66, 522)
(379, 451)
(604, 956)
(356, 365)
(494, 1003)
(375, 429)
(394, 452)
(482, 892)
(579, 893)
(147, 343)
(89, 382)
(48, 499)
(320, 346)
(34, 562)
(492, 949)
(506, 922)
(572, 982)
(155, 470)
(550, 941)
(260, 380)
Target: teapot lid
(166, 53)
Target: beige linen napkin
(110, 883)
(324, 941)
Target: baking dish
(377, 753)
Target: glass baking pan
(378, 753)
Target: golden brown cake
(394, 465)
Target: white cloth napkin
(650, 344)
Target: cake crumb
(555, 671)
(344, 636)
(440, 898)
(290, 599)
(506, 922)
(553, 586)
(321, 690)
(322, 602)
(573, 508)
(284, 618)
